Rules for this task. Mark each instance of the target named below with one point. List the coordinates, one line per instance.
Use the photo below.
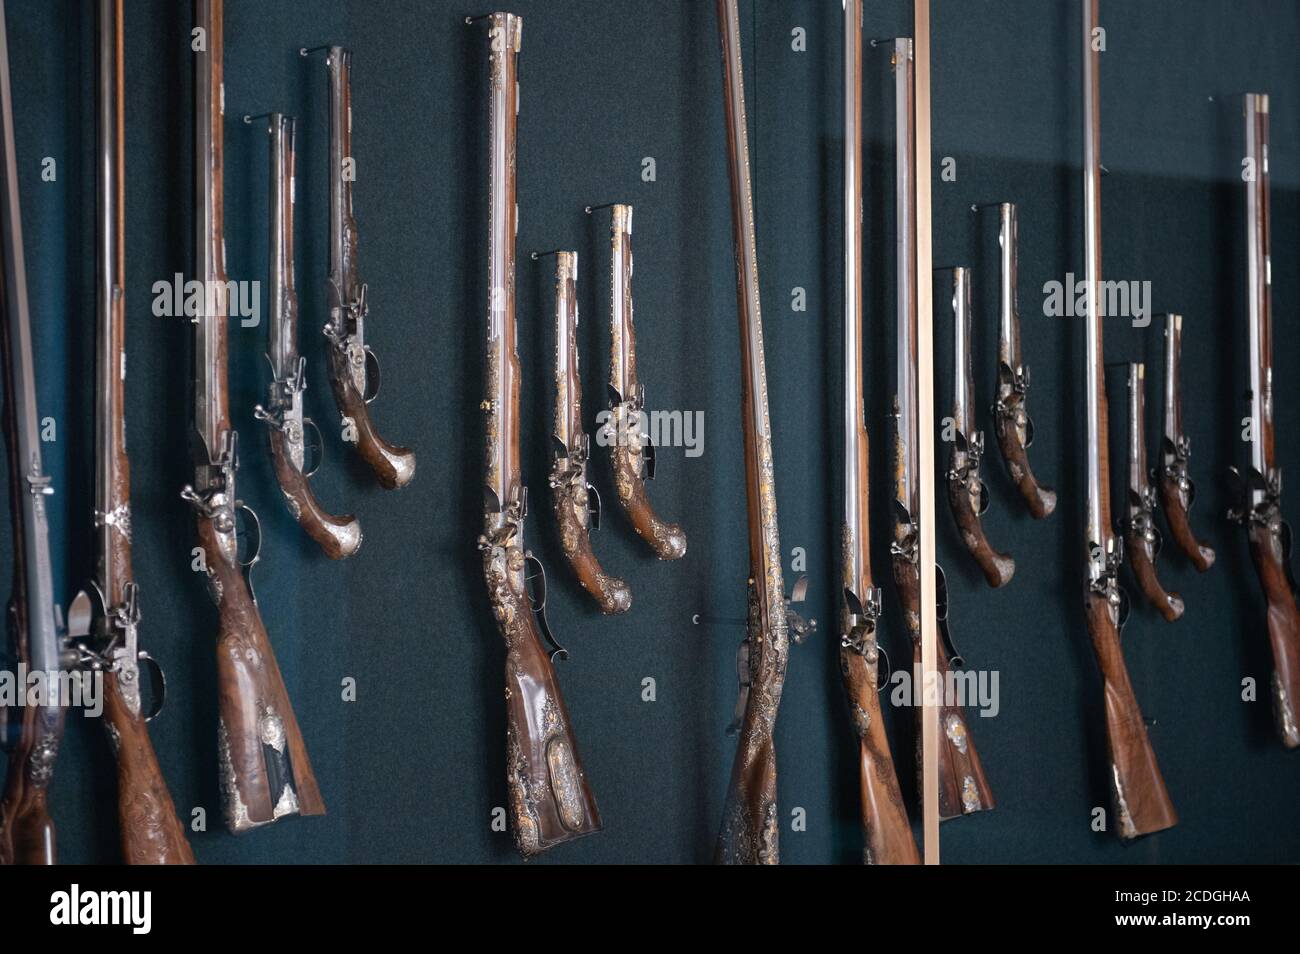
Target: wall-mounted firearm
(750, 828)
(1177, 492)
(968, 497)
(1259, 489)
(31, 735)
(1141, 803)
(550, 802)
(577, 503)
(962, 786)
(1141, 536)
(887, 835)
(631, 454)
(288, 427)
(354, 370)
(265, 772)
(107, 624)
(1014, 427)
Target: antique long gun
(631, 454)
(1177, 491)
(968, 497)
(354, 369)
(963, 788)
(106, 621)
(1142, 539)
(288, 428)
(577, 503)
(1012, 423)
(1141, 802)
(265, 772)
(887, 835)
(26, 829)
(1259, 489)
(550, 802)
(750, 830)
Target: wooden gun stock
(26, 828)
(964, 496)
(549, 797)
(1283, 630)
(1141, 800)
(265, 772)
(963, 789)
(1011, 422)
(1140, 544)
(394, 466)
(151, 833)
(1176, 501)
(573, 515)
(338, 536)
(889, 838)
(668, 540)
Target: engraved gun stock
(968, 497)
(1142, 539)
(106, 629)
(1012, 423)
(288, 428)
(1141, 802)
(550, 802)
(887, 835)
(354, 369)
(631, 455)
(27, 834)
(265, 772)
(1258, 490)
(1177, 492)
(577, 503)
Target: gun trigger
(593, 506)
(648, 455)
(558, 450)
(799, 592)
(955, 657)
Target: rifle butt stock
(1141, 800)
(151, 833)
(888, 835)
(265, 771)
(27, 833)
(1283, 631)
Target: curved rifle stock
(631, 455)
(1259, 489)
(265, 772)
(887, 834)
(550, 802)
(967, 494)
(338, 536)
(577, 504)
(1141, 802)
(1177, 492)
(1141, 537)
(352, 378)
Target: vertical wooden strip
(925, 428)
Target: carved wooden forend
(338, 536)
(550, 802)
(1142, 804)
(265, 772)
(151, 833)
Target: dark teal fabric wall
(412, 770)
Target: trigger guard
(983, 504)
(248, 564)
(889, 669)
(308, 423)
(1125, 606)
(1029, 432)
(373, 376)
(157, 682)
(593, 506)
